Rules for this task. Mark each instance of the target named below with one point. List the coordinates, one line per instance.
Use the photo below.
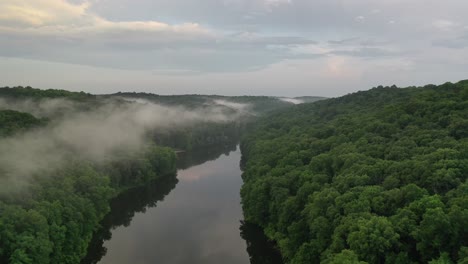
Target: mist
(42, 108)
(93, 134)
(291, 100)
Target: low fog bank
(42, 108)
(291, 100)
(94, 132)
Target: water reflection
(261, 251)
(198, 222)
(200, 156)
(123, 209)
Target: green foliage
(12, 122)
(444, 259)
(199, 135)
(32, 93)
(377, 176)
(56, 224)
(373, 238)
(346, 257)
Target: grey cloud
(299, 16)
(359, 41)
(368, 52)
(138, 51)
(363, 47)
(215, 39)
(453, 43)
(344, 41)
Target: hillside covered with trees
(372, 177)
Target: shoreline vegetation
(123, 208)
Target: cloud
(458, 42)
(356, 47)
(360, 19)
(291, 100)
(258, 6)
(62, 19)
(445, 25)
(270, 4)
(180, 45)
(24, 13)
(71, 33)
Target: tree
(373, 238)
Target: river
(193, 219)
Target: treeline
(258, 104)
(372, 177)
(28, 92)
(199, 136)
(123, 209)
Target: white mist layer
(41, 107)
(291, 100)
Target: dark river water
(194, 219)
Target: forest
(378, 176)
(55, 220)
(66, 157)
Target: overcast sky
(232, 47)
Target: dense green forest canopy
(12, 122)
(54, 221)
(372, 177)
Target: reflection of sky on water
(198, 222)
(206, 170)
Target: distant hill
(20, 92)
(259, 104)
(310, 99)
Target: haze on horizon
(232, 47)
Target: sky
(232, 47)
